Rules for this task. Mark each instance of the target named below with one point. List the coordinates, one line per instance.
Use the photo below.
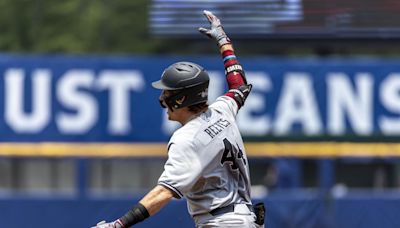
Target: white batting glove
(216, 31)
(104, 224)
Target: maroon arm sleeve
(233, 72)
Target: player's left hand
(216, 31)
(104, 224)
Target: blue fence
(287, 207)
(288, 210)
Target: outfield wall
(110, 99)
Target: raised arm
(237, 83)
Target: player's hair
(196, 108)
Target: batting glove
(216, 31)
(104, 224)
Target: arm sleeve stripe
(171, 188)
(229, 57)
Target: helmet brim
(160, 85)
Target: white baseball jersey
(207, 162)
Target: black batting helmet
(187, 83)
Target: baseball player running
(207, 162)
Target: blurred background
(82, 136)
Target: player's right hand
(104, 224)
(216, 31)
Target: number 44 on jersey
(231, 154)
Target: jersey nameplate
(215, 128)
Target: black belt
(227, 209)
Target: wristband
(223, 39)
(235, 67)
(135, 215)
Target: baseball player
(207, 162)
